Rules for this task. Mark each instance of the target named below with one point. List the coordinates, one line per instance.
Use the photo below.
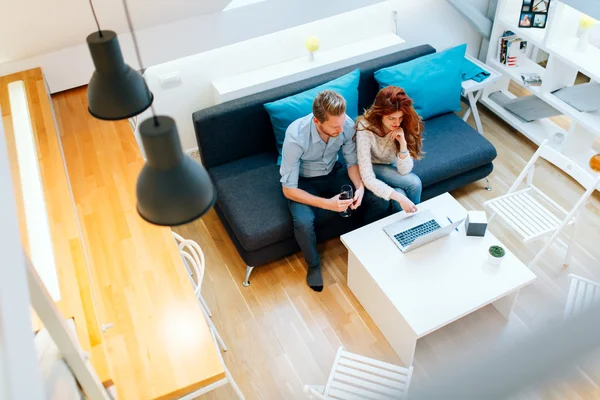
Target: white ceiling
(34, 27)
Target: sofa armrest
(233, 130)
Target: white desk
(473, 90)
(411, 295)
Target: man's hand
(358, 198)
(337, 205)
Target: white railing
(34, 204)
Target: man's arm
(349, 152)
(302, 196)
(354, 175)
(290, 170)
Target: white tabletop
(442, 281)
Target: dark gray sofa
(237, 147)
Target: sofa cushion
(249, 196)
(451, 148)
(433, 82)
(285, 111)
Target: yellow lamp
(312, 44)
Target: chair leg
(488, 187)
(574, 212)
(246, 282)
(314, 391)
(570, 242)
(234, 385)
(203, 303)
(213, 328)
(219, 338)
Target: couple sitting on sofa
(378, 150)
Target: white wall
(72, 66)
(37, 27)
(424, 21)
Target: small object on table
(496, 255)
(312, 44)
(585, 24)
(595, 163)
(456, 229)
(531, 79)
(473, 71)
(476, 223)
(558, 137)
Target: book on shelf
(531, 79)
(511, 49)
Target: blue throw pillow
(285, 111)
(433, 82)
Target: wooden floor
(282, 335)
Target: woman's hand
(398, 135)
(407, 205)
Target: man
(312, 177)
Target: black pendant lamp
(116, 91)
(172, 188)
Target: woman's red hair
(388, 101)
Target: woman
(389, 138)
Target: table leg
(382, 311)
(467, 113)
(473, 104)
(506, 303)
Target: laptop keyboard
(410, 235)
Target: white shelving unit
(559, 40)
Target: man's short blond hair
(328, 104)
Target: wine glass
(346, 194)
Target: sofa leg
(488, 187)
(246, 282)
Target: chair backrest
(193, 259)
(568, 166)
(583, 293)
(354, 376)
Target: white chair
(197, 254)
(531, 212)
(193, 259)
(228, 378)
(355, 377)
(583, 293)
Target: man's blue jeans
(372, 209)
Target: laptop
(419, 229)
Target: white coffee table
(411, 295)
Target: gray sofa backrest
(241, 128)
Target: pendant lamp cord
(96, 18)
(139, 58)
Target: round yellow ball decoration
(312, 43)
(586, 22)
